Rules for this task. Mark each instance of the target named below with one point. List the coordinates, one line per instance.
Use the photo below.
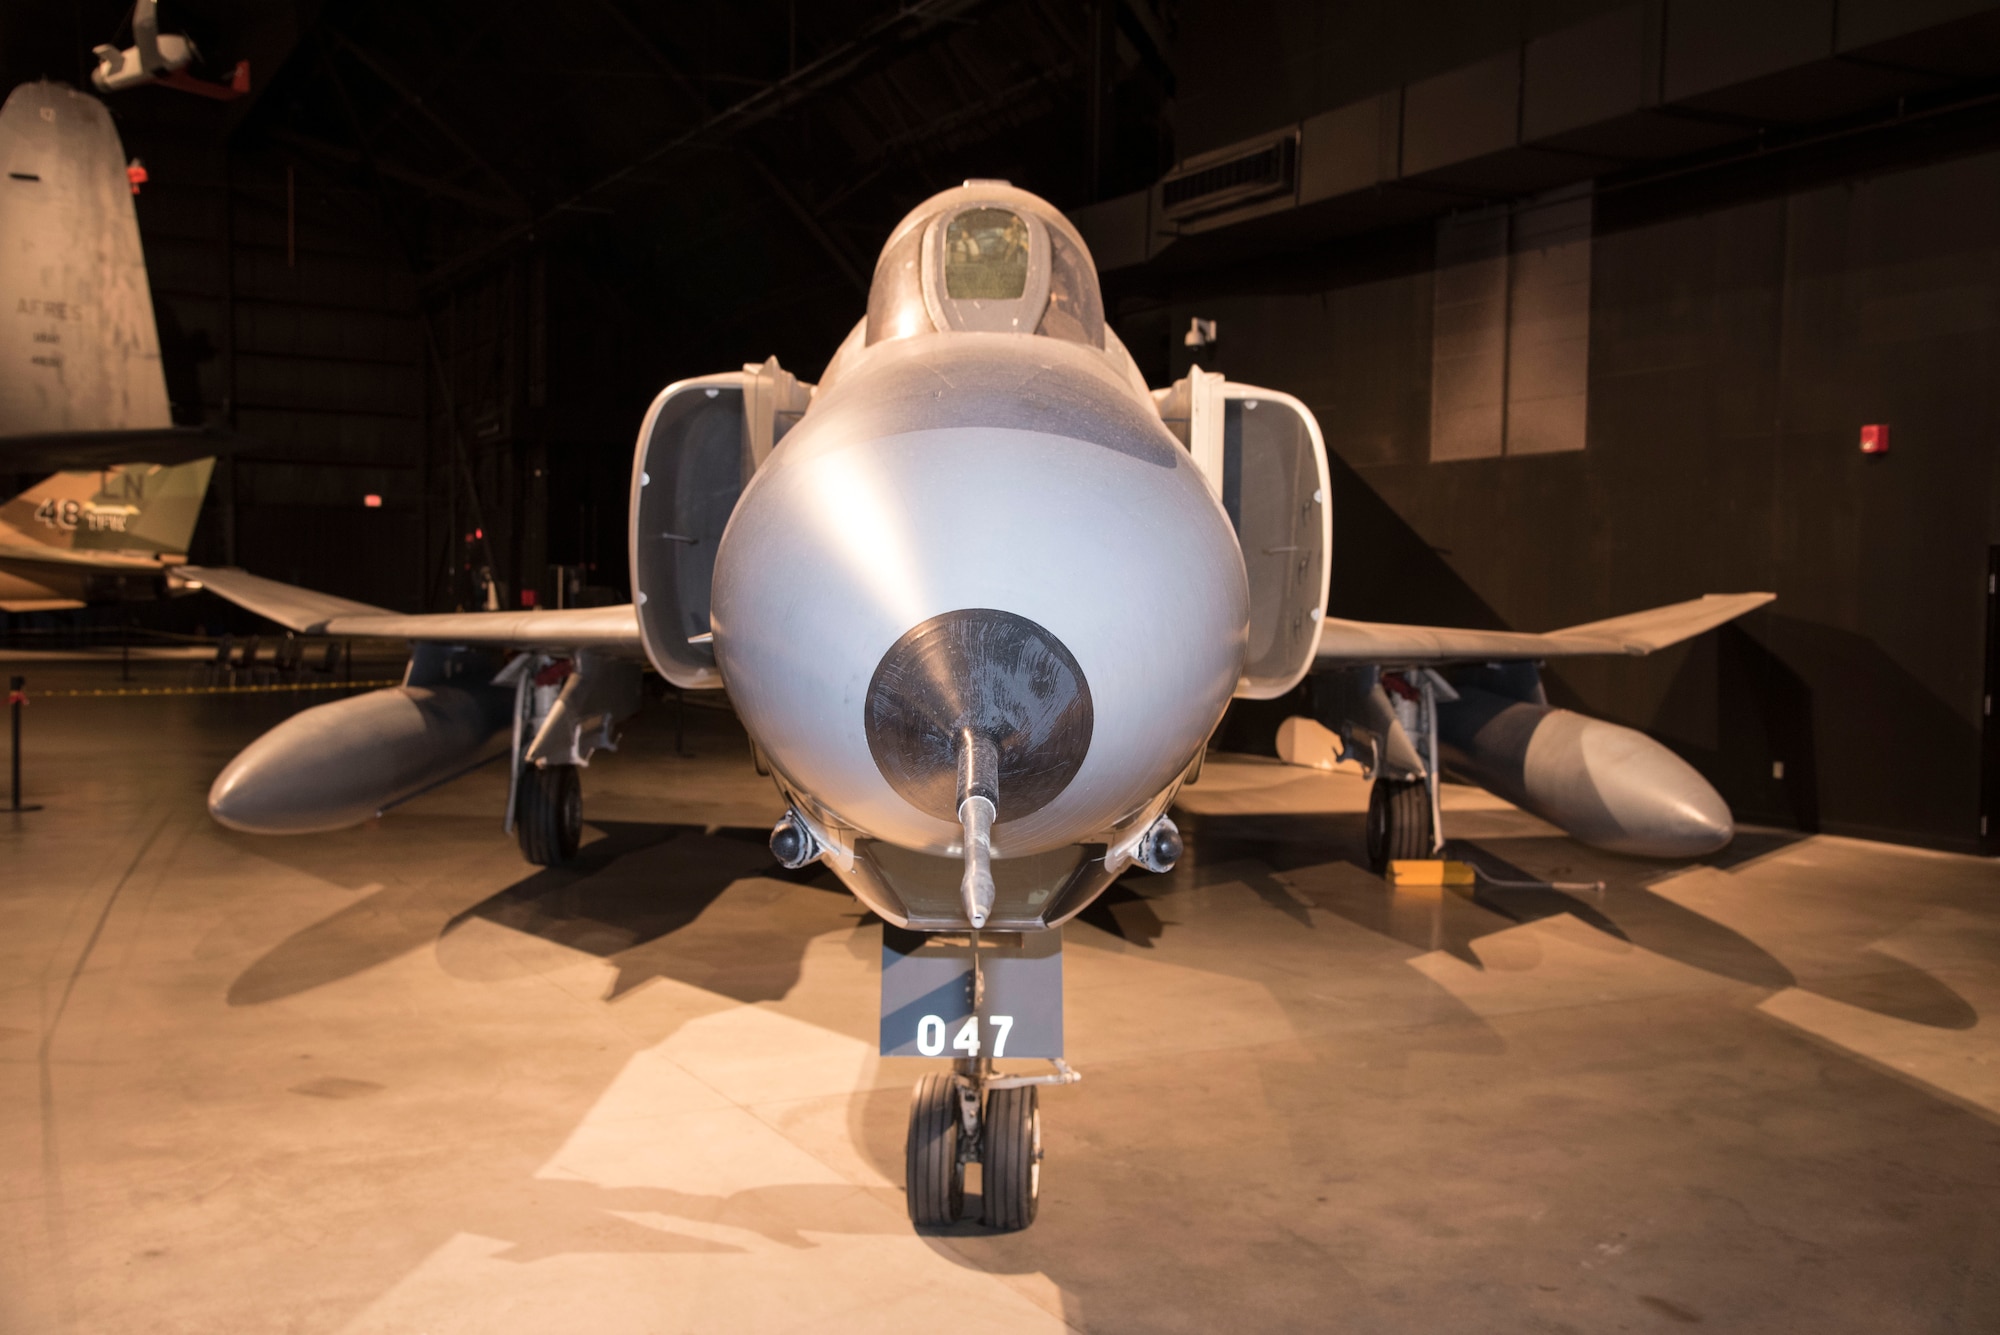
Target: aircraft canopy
(988, 258)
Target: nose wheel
(935, 1170)
(1011, 1166)
(976, 1115)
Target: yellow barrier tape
(217, 690)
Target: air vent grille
(1246, 178)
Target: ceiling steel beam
(825, 71)
(428, 184)
(416, 103)
(842, 258)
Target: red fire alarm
(1875, 439)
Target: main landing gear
(973, 1115)
(548, 814)
(1399, 822)
(1403, 813)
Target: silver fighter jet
(980, 598)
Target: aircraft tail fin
(146, 508)
(79, 350)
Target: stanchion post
(17, 696)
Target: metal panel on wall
(1469, 338)
(1548, 325)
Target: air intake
(1231, 179)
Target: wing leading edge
(611, 630)
(1342, 642)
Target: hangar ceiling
(678, 131)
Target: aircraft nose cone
(940, 545)
(998, 674)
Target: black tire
(1399, 822)
(548, 815)
(934, 1179)
(1011, 1171)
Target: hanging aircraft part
(160, 57)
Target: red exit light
(372, 501)
(1875, 439)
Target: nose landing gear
(976, 1116)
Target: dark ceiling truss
(938, 132)
(836, 250)
(430, 185)
(906, 25)
(415, 102)
(751, 149)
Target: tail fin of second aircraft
(147, 508)
(79, 350)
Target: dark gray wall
(1736, 350)
(1248, 66)
(288, 315)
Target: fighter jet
(980, 598)
(106, 535)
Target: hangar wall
(284, 314)
(1742, 328)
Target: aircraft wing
(1637, 633)
(612, 630)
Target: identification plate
(927, 994)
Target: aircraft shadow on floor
(709, 908)
(1277, 856)
(651, 898)
(552, 1218)
(676, 901)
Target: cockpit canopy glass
(986, 258)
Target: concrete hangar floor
(392, 1080)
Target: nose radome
(996, 674)
(998, 539)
